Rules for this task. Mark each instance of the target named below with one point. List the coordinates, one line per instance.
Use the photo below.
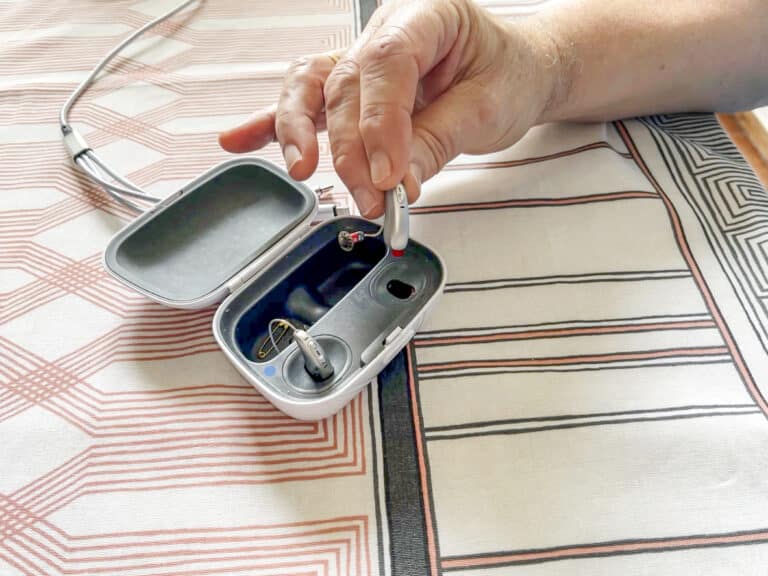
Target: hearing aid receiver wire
(117, 186)
(395, 229)
(121, 189)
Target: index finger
(255, 133)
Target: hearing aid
(396, 220)
(315, 361)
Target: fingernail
(366, 201)
(292, 155)
(380, 167)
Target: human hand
(426, 81)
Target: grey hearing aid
(315, 360)
(396, 220)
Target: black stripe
(590, 369)
(707, 231)
(748, 243)
(427, 463)
(585, 323)
(576, 555)
(509, 204)
(574, 357)
(759, 220)
(532, 429)
(425, 342)
(482, 285)
(405, 511)
(375, 472)
(671, 273)
(530, 284)
(487, 423)
(590, 147)
(718, 249)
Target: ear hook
(396, 228)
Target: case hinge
(238, 280)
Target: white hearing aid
(396, 220)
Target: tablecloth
(587, 398)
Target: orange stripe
(92, 459)
(431, 546)
(338, 470)
(348, 412)
(221, 445)
(66, 468)
(297, 549)
(150, 408)
(534, 159)
(696, 272)
(206, 530)
(294, 475)
(366, 543)
(561, 332)
(360, 440)
(533, 202)
(12, 562)
(74, 477)
(619, 548)
(96, 413)
(214, 387)
(559, 361)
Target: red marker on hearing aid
(396, 220)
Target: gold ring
(334, 56)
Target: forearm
(626, 58)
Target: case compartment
(241, 233)
(320, 277)
(353, 297)
(187, 248)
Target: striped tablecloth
(586, 399)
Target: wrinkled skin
(426, 81)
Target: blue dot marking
(269, 371)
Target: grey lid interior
(229, 217)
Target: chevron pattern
(728, 199)
(585, 398)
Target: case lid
(239, 215)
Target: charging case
(241, 235)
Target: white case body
(314, 408)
